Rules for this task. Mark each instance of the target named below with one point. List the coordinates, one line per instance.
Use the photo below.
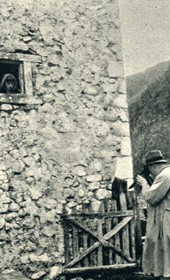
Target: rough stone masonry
(69, 148)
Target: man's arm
(158, 190)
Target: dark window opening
(11, 81)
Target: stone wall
(69, 148)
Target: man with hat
(156, 253)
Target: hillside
(150, 118)
(139, 82)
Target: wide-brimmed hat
(154, 156)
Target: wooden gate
(102, 240)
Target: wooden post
(116, 240)
(138, 233)
(100, 235)
(85, 222)
(66, 242)
(107, 206)
(28, 77)
(125, 231)
(132, 239)
(75, 241)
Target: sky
(145, 31)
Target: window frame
(25, 62)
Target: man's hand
(141, 181)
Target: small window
(16, 78)
(11, 78)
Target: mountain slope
(139, 82)
(149, 120)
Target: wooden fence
(107, 239)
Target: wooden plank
(70, 230)
(117, 228)
(125, 231)
(111, 214)
(21, 78)
(10, 61)
(119, 186)
(85, 241)
(108, 225)
(93, 254)
(20, 56)
(138, 232)
(86, 208)
(28, 77)
(75, 241)
(20, 99)
(120, 252)
(114, 240)
(87, 230)
(100, 235)
(118, 259)
(66, 242)
(97, 268)
(132, 239)
(108, 228)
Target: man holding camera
(156, 253)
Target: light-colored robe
(156, 254)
